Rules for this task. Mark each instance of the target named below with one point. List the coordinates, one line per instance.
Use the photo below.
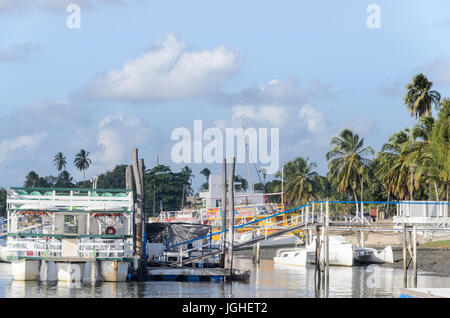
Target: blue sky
(137, 69)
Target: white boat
(341, 253)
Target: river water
(267, 280)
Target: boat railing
(105, 248)
(34, 247)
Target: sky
(135, 70)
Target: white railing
(34, 247)
(104, 248)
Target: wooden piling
(415, 255)
(405, 269)
(327, 251)
(257, 251)
(224, 210)
(139, 211)
(231, 218)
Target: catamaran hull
(338, 256)
(372, 256)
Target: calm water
(267, 280)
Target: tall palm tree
(419, 97)
(395, 164)
(60, 161)
(82, 161)
(299, 178)
(419, 154)
(347, 162)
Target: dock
(195, 274)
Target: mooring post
(256, 250)
(231, 225)
(322, 254)
(327, 260)
(139, 211)
(129, 186)
(415, 255)
(224, 210)
(318, 271)
(405, 269)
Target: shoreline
(434, 261)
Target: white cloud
(18, 53)
(274, 115)
(315, 120)
(117, 134)
(54, 5)
(285, 92)
(167, 71)
(23, 143)
(440, 70)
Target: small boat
(341, 253)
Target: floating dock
(55, 234)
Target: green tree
(440, 144)
(33, 180)
(419, 97)
(162, 185)
(394, 167)
(2, 202)
(82, 162)
(299, 179)
(114, 179)
(60, 161)
(206, 172)
(347, 162)
(242, 184)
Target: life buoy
(110, 230)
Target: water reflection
(267, 280)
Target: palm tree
(440, 144)
(82, 161)
(299, 178)
(60, 161)
(206, 172)
(395, 164)
(419, 153)
(347, 162)
(419, 97)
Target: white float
(70, 272)
(114, 271)
(25, 269)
